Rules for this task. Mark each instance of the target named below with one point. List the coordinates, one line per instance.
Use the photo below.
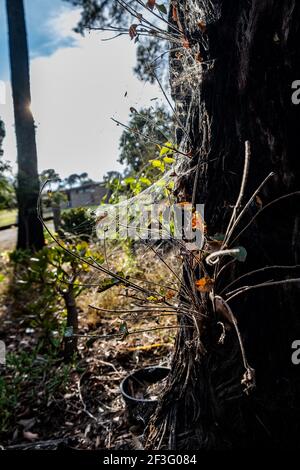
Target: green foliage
(79, 222)
(151, 128)
(43, 280)
(146, 150)
(51, 175)
(7, 188)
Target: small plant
(55, 273)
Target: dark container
(134, 391)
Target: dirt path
(8, 237)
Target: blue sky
(42, 41)
(77, 85)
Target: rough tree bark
(232, 83)
(30, 231)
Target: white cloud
(75, 91)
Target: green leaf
(218, 236)
(2, 277)
(129, 180)
(169, 160)
(156, 163)
(166, 148)
(124, 329)
(162, 8)
(107, 284)
(146, 181)
(68, 332)
(241, 255)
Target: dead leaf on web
(133, 31)
(174, 14)
(151, 4)
(198, 222)
(202, 26)
(169, 295)
(199, 57)
(205, 284)
(186, 43)
(259, 202)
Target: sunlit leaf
(146, 181)
(169, 160)
(166, 148)
(129, 180)
(158, 164)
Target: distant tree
(72, 180)
(111, 175)
(51, 175)
(7, 187)
(30, 230)
(98, 14)
(149, 128)
(83, 177)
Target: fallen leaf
(27, 423)
(30, 436)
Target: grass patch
(8, 217)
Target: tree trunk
(232, 83)
(70, 343)
(30, 231)
(56, 217)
